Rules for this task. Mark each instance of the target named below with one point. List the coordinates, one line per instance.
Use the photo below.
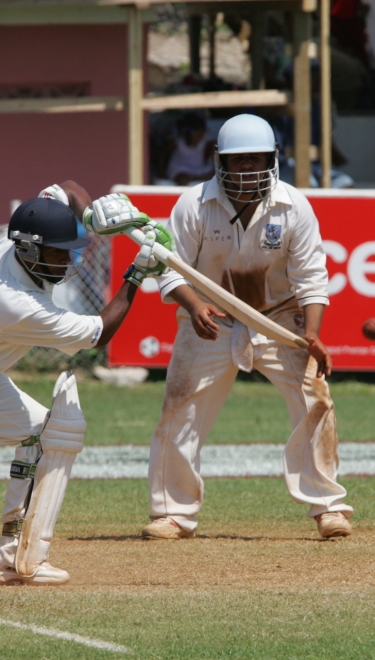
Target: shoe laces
(329, 514)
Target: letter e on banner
(339, 255)
(359, 267)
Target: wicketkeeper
(34, 258)
(259, 239)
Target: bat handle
(302, 343)
(159, 250)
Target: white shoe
(45, 574)
(166, 528)
(333, 523)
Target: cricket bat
(226, 300)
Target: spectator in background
(353, 77)
(190, 152)
(348, 28)
(279, 67)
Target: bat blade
(226, 300)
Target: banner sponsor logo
(347, 227)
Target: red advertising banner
(347, 223)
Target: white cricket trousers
(200, 376)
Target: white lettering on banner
(351, 350)
(339, 255)
(167, 348)
(358, 266)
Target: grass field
(254, 412)
(257, 582)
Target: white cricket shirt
(28, 317)
(279, 256)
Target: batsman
(37, 256)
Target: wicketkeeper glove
(111, 214)
(146, 264)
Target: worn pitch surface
(289, 562)
(257, 582)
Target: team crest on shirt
(272, 237)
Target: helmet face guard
(247, 134)
(254, 185)
(28, 249)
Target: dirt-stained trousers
(200, 376)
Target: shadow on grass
(130, 537)
(235, 537)
(212, 537)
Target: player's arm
(78, 197)
(313, 319)
(201, 312)
(113, 214)
(115, 312)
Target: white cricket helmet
(246, 134)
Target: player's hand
(203, 323)
(146, 264)
(320, 353)
(112, 214)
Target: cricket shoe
(166, 528)
(45, 574)
(333, 523)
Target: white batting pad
(61, 440)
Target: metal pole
(136, 136)
(211, 38)
(302, 99)
(194, 24)
(258, 31)
(325, 94)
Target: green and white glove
(146, 264)
(111, 214)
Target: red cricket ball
(368, 328)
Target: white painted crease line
(68, 637)
(256, 460)
(242, 460)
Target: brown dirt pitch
(257, 582)
(251, 535)
(287, 562)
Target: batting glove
(55, 192)
(146, 264)
(112, 214)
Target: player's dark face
(245, 175)
(244, 168)
(57, 260)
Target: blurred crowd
(182, 143)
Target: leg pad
(61, 440)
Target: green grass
(271, 593)
(256, 583)
(119, 507)
(280, 626)
(254, 412)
